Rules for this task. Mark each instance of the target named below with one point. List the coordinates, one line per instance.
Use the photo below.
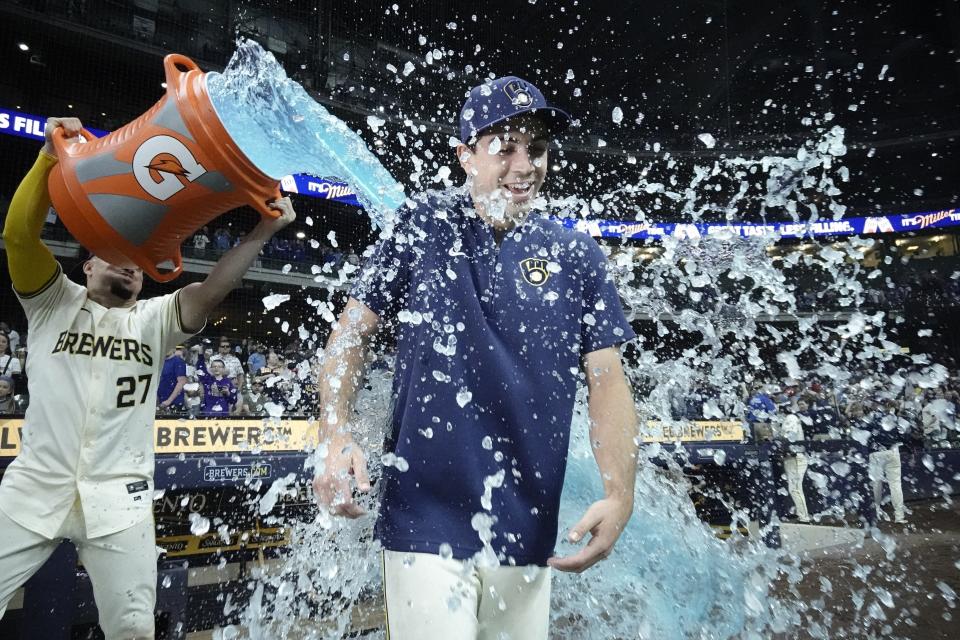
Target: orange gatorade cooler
(133, 196)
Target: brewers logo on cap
(534, 271)
(518, 92)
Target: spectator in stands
(12, 336)
(252, 401)
(173, 376)
(230, 361)
(795, 463)
(200, 241)
(194, 359)
(9, 363)
(219, 394)
(276, 377)
(817, 418)
(193, 396)
(299, 251)
(279, 247)
(257, 359)
(8, 403)
(222, 240)
(760, 408)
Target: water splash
(709, 300)
(283, 131)
(670, 577)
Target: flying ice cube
(707, 140)
(274, 300)
(617, 115)
(198, 524)
(464, 397)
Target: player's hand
(270, 226)
(604, 521)
(332, 485)
(71, 127)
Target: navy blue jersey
(489, 346)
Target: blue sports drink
(283, 131)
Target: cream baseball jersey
(89, 429)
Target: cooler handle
(171, 68)
(154, 271)
(264, 209)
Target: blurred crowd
(211, 376)
(296, 250)
(204, 377)
(217, 378)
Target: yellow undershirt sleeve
(31, 263)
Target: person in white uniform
(795, 464)
(85, 470)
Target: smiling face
(122, 283)
(6, 389)
(506, 168)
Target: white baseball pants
(122, 568)
(431, 598)
(885, 465)
(795, 467)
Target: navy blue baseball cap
(493, 102)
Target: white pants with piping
(795, 467)
(885, 465)
(431, 598)
(122, 568)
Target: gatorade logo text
(164, 166)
